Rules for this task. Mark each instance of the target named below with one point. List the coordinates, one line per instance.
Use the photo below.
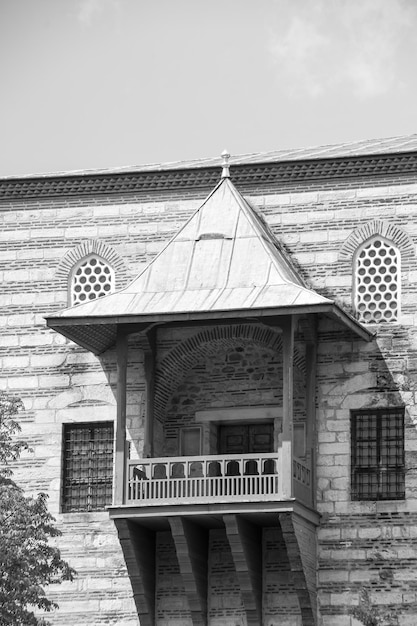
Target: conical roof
(222, 262)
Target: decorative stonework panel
(93, 248)
(186, 178)
(91, 279)
(377, 227)
(377, 273)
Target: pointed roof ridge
(175, 236)
(161, 252)
(191, 233)
(279, 259)
(254, 214)
(222, 262)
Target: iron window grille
(87, 467)
(377, 455)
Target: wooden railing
(230, 478)
(302, 484)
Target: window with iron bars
(87, 466)
(377, 455)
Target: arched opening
(377, 281)
(92, 277)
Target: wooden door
(246, 438)
(261, 438)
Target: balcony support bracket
(191, 544)
(245, 541)
(300, 541)
(138, 546)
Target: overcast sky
(105, 83)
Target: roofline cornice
(243, 175)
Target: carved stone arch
(174, 367)
(389, 231)
(101, 249)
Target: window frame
(69, 484)
(187, 430)
(381, 471)
(75, 268)
(356, 286)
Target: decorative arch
(377, 227)
(174, 367)
(102, 250)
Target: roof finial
(225, 164)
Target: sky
(88, 84)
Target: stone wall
(359, 544)
(364, 544)
(280, 602)
(225, 607)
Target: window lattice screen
(377, 282)
(378, 454)
(88, 467)
(92, 279)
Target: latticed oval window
(377, 286)
(92, 278)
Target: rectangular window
(377, 458)
(190, 441)
(88, 467)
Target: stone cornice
(280, 172)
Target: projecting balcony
(214, 480)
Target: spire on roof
(225, 163)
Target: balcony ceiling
(224, 262)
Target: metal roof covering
(364, 147)
(224, 261)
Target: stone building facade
(219, 381)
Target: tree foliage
(28, 560)
(369, 615)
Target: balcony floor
(211, 515)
